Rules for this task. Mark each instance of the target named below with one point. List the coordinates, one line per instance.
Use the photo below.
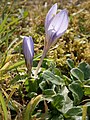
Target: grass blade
(3, 106)
(31, 107)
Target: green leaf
(66, 79)
(7, 36)
(25, 14)
(77, 73)
(77, 92)
(31, 107)
(56, 71)
(3, 23)
(85, 67)
(70, 63)
(15, 65)
(73, 111)
(31, 85)
(86, 89)
(42, 85)
(88, 108)
(48, 92)
(87, 82)
(60, 117)
(3, 106)
(48, 75)
(58, 101)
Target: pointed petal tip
(55, 4)
(50, 14)
(26, 37)
(28, 49)
(64, 11)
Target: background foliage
(62, 89)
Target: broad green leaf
(48, 75)
(57, 71)
(31, 85)
(66, 79)
(86, 89)
(85, 67)
(57, 117)
(42, 85)
(48, 92)
(87, 82)
(77, 73)
(70, 63)
(31, 107)
(58, 101)
(3, 106)
(77, 92)
(73, 111)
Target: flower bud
(28, 51)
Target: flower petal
(59, 24)
(64, 24)
(50, 15)
(50, 37)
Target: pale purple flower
(55, 25)
(28, 51)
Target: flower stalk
(40, 62)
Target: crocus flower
(55, 26)
(28, 51)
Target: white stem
(40, 62)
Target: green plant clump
(61, 90)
